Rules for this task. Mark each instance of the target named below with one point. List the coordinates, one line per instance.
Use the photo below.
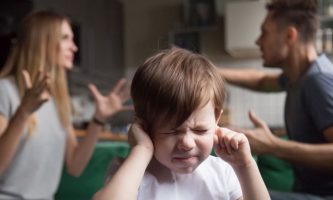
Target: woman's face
(67, 46)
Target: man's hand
(261, 138)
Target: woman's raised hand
(35, 94)
(113, 102)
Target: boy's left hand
(232, 147)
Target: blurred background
(116, 36)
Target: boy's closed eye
(200, 131)
(176, 132)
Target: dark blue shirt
(308, 112)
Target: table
(104, 135)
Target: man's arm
(252, 79)
(315, 156)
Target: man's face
(272, 43)
(184, 148)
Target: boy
(178, 98)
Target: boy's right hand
(138, 137)
(35, 94)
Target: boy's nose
(186, 142)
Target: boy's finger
(220, 134)
(235, 141)
(227, 139)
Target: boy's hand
(138, 137)
(232, 147)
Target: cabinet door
(324, 36)
(106, 48)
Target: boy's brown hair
(176, 82)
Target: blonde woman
(36, 134)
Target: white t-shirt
(214, 179)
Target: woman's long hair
(38, 45)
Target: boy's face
(184, 148)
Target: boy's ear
(218, 118)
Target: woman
(36, 134)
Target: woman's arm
(78, 155)
(10, 135)
(11, 131)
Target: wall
(101, 40)
(102, 49)
(147, 23)
(268, 106)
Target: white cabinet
(243, 21)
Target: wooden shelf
(105, 135)
(196, 29)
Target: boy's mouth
(187, 159)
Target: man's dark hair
(301, 14)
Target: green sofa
(277, 174)
(91, 180)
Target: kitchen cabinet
(237, 32)
(324, 35)
(191, 38)
(199, 17)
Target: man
(287, 42)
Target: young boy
(178, 98)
